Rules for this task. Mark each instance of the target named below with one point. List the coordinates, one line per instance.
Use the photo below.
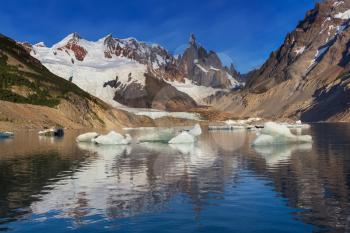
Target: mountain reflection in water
(217, 184)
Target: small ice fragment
(87, 137)
(183, 138)
(113, 138)
(196, 130)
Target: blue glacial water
(220, 184)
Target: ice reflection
(277, 154)
(121, 181)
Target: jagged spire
(75, 35)
(108, 39)
(192, 39)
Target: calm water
(219, 185)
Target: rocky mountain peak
(204, 68)
(72, 38)
(108, 39)
(192, 40)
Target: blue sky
(239, 30)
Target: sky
(240, 31)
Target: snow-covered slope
(114, 70)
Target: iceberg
(196, 130)
(226, 127)
(297, 125)
(87, 137)
(274, 134)
(157, 135)
(183, 138)
(113, 138)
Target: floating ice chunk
(297, 125)
(183, 138)
(230, 122)
(87, 137)
(274, 133)
(196, 130)
(226, 127)
(242, 122)
(113, 138)
(157, 135)
(264, 139)
(274, 129)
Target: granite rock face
(205, 68)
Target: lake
(221, 184)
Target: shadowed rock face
(156, 94)
(306, 74)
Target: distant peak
(192, 39)
(107, 39)
(40, 44)
(75, 36)
(72, 36)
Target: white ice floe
(242, 122)
(196, 130)
(113, 138)
(236, 124)
(87, 137)
(183, 138)
(298, 125)
(156, 135)
(274, 133)
(156, 114)
(226, 127)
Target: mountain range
(307, 77)
(137, 74)
(32, 97)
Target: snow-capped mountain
(133, 73)
(308, 76)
